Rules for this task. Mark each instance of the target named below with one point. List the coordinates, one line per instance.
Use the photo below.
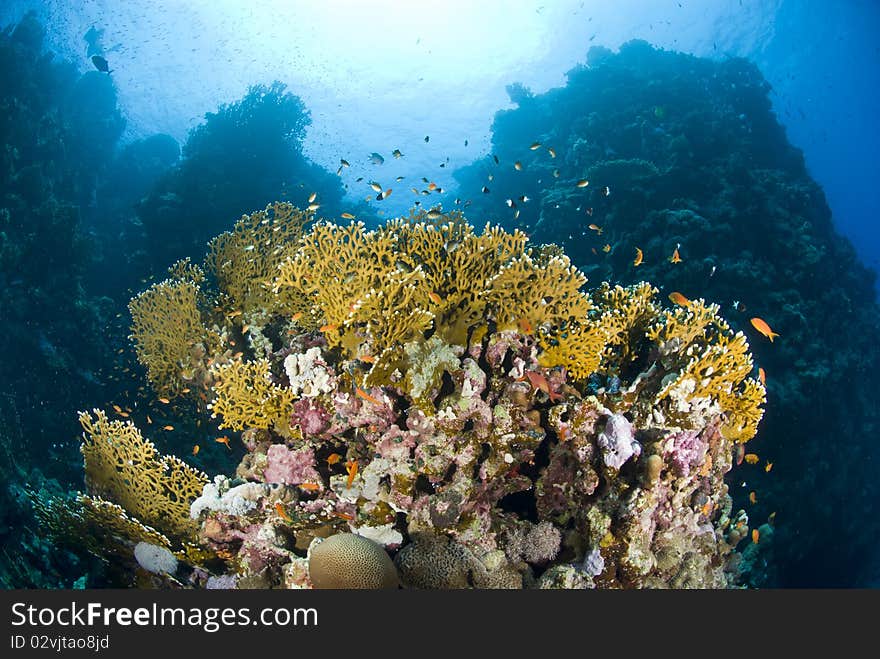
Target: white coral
(308, 373)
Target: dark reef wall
(57, 130)
(244, 154)
(682, 152)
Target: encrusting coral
(442, 393)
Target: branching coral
(166, 328)
(124, 468)
(246, 397)
(245, 260)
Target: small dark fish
(100, 64)
(465, 142)
(427, 138)
(396, 153)
(376, 158)
(496, 159)
(359, 179)
(344, 162)
(485, 190)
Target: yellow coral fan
(100, 527)
(545, 297)
(246, 397)
(166, 326)
(716, 374)
(333, 269)
(579, 350)
(245, 260)
(628, 311)
(680, 327)
(124, 468)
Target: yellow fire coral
(124, 468)
(245, 260)
(245, 397)
(166, 325)
(716, 375)
(101, 527)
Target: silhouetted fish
(100, 64)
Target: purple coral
(617, 441)
(686, 449)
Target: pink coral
(290, 467)
(310, 416)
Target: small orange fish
(167, 427)
(347, 216)
(279, 508)
(164, 400)
(707, 508)
(535, 146)
(367, 397)
(313, 196)
(196, 449)
(755, 536)
(149, 420)
(525, 326)
(223, 440)
(582, 183)
(639, 256)
(310, 487)
(753, 498)
(333, 458)
(751, 458)
(124, 414)
(432, 186)
(760, 325)
(768, 466)
(368, 359)
(679, 299)
(675, 258)
(538, 381)
(342, 515)
(606, 247)
(352, 469)
(118, 409)
(517, 166)
(295, 317)
(596, 228)
(435, 298)
(328, 328)
(762, 376)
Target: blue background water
(381, 75)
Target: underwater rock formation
(456, 399)
(684, 159)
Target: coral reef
(683, 156)
(416, 404)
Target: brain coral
(347, 560)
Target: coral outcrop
(454, 398)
